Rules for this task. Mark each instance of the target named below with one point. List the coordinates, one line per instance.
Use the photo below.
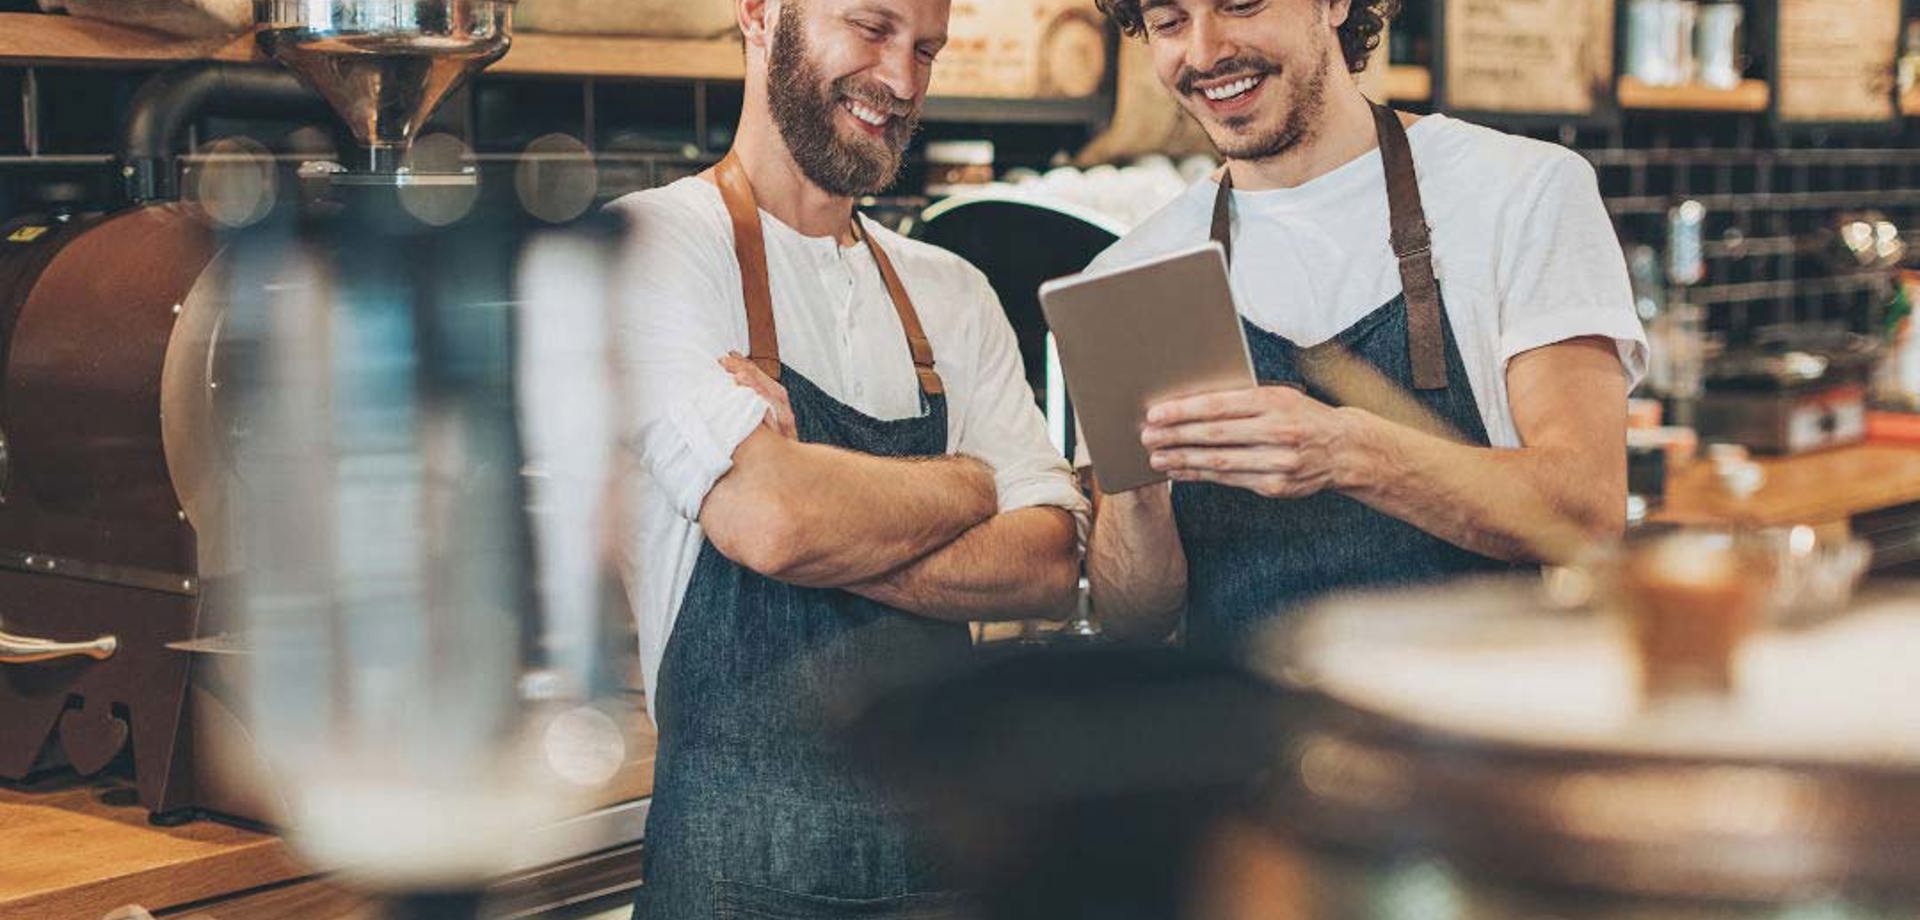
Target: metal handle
(27, 650)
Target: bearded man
(1439, 315)
(839, 464)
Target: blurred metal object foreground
(1656, 816)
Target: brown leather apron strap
(1413, 247)
(917, 342)
(1222, 231)
(750, 247)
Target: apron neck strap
(1222, 230)
(1412, 248)
(917, 343)
(749, 246)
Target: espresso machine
(123, 339)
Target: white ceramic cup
(1660, 40)
(1716, 44)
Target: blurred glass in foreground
(422, 433)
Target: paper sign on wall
(1544, 57)
(1835, 60)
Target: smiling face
(1253, 72)
(846, 80)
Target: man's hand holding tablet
(1141, 336)
(1275, 441)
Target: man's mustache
(1244, 65)
(873, 97)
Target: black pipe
(171, 100)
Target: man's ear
(1337, 12)
(756, 20)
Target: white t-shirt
(680, 308)
(1522, 245)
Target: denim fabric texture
(756, 813)
(1251, 558)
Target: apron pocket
(741, 901)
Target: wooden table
(73, 849)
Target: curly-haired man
(1474, 270)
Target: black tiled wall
(1772, 198)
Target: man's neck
(783, 190)
(1344, 131)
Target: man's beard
(803, 109)
(1304, 104)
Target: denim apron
(1250, 558)
(755, 812)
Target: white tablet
(1131, 337)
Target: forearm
(855, 516)
(819, 516)
(1014, 566)
(1522, 504)
(1136, 567)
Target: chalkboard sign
(1834, 61)
(1526, 57)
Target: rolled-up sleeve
(1004, 427)
(1566, 276)
(675, 320)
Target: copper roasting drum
(94, 542)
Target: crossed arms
(921, 535)
(924, 535)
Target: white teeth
(866, 114)
(1230, 90)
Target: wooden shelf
(1092, 110)
(557, 55)
(1749, 96)
(39, 38)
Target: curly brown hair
(1359, 35)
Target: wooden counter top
(77, 849)
(1825, 487)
